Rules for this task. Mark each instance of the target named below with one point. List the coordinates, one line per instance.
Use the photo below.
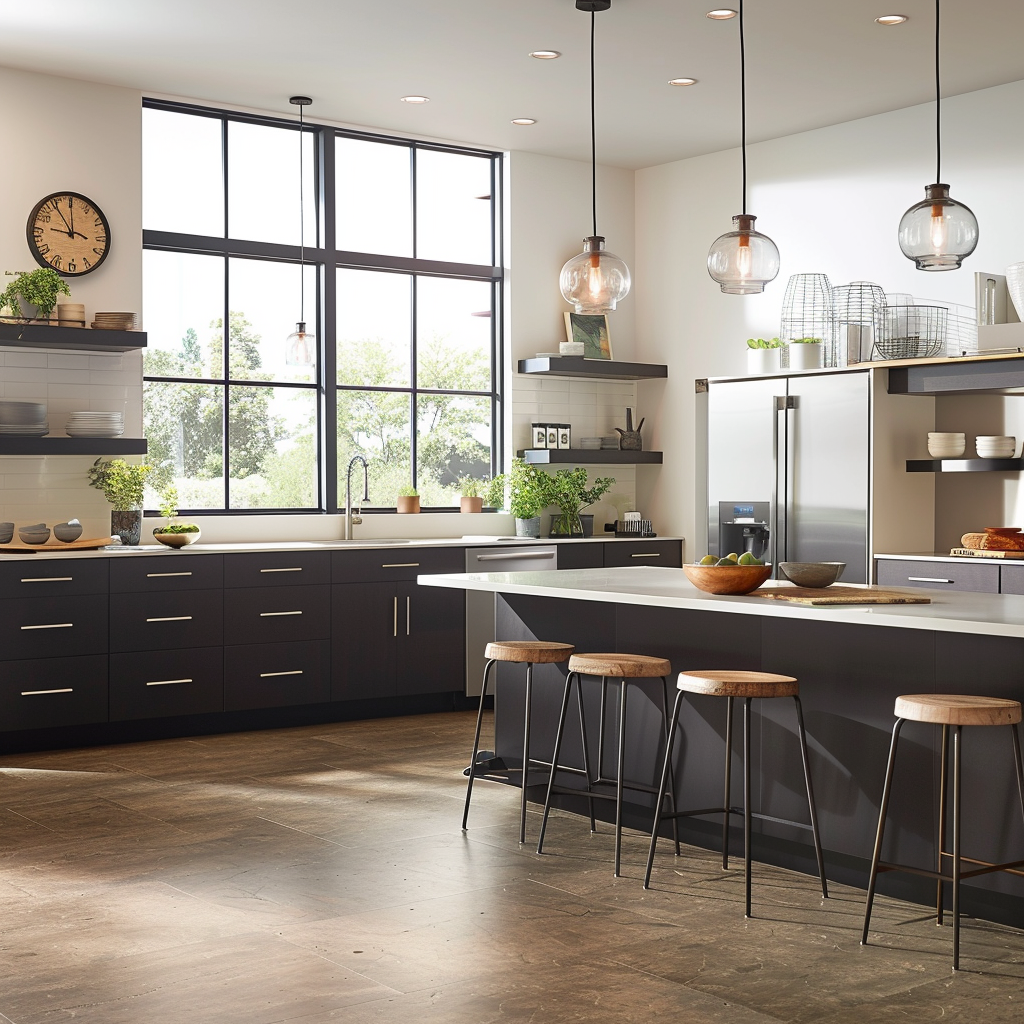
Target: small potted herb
(805, 353)
(471, 495)
(38, 288)
(122, 485)
(172, 533)
(527, 496)
(408, 500)
(764, 356)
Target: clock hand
(71, 210)
(60, 213)
(70, 234)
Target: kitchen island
(852, 662)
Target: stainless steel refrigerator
(788, 467)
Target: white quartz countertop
(959, 612)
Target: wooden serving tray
(840, 595)
(82, 544)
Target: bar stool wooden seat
(747, 686)
(952, 712)
(626, 668)
(530, 653)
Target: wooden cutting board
(840, 595)
(82, 544)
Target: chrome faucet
(356, 520)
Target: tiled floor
(320, 874)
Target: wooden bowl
(812, 574)
(727, 579)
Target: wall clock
(68, 232)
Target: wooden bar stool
(530, 653)
(950, 711)
(748, 686)
(626, 668)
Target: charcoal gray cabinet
(939, 574)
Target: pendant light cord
(302, 223)
(938, 103)
(593, 124)
(743, 108)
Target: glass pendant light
(300, 345)
(938, 233)
(595, 280)
(743, 260)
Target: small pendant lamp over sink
(743, 260)
(938, 233)
(595, 280)
(300, 345)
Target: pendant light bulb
(938, 233)
(595, 279)
(300, 345)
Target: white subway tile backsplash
(67, 361)
(21, 357)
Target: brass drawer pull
(168, 682)
(400, 565)
(47, 579)
(39, 693)
(161, 575)
(297, 568)
(293, 672)
(653, 554)
(270, 615)
(171, 618)
(51, 625)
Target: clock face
(68, 232)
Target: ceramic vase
(127, 526)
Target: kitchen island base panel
(850, 677)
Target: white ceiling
(810, 63)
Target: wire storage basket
(912, 332)
(961, 327)
(859, 310)
(808, 311)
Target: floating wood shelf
(603, 369)
(70, 339)
(588, 457)
(73, 446)
(964, 465)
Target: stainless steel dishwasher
(480, 604)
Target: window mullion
(327, 362)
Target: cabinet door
(53, 578)
(49, 692)
(647, 552)
(276, 614)
(53, 627)
(163, 622)
(431, 640)
(364, 621)
(1011, 579)
(276, 675)
(157, 684)
(581, 555)
(938, 575)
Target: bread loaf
(993, 541)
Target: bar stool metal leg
(1019, 767)
(671, 784)
(554, 758)
(526, 751)
(943, 798)
(957, 744)
(810, 796)
(659, 802)
(726, 803)
(476, 742)
(882, 812)
(746, 800)
(621, 775)
(586, 755)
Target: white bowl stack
(946, 446)
(23, 419)
(995, 446)
(95, 424)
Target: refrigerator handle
(782, 403)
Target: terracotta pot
(470, 504)
(408, 503)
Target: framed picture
(592, 330)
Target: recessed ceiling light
(891, 19)
(524, 120)
(546, 54)
(415, 99)
(723, 14)
(682, 81)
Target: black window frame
(327, 260)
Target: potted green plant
(38, 288)
(764, 356)
(568, 490)
(408, 500)
(174, 534)
(527, 496)
(471, 494)
(122, 485)
(805, 353)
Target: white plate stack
(995, 446)
(95, 424)
(946, 445)
(23, 419)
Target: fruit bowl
(727, 579)
(177, 540)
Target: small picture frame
(592, 330)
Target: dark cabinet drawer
(573, 555)
(161, 622)
(277, 569)
(46, 578)
(277, 615)
(1011, 579)
(157, 684)
(640, 552)
(166, 572)
(276, 675)
(952, 575)
(397, 562)
(46, 693)
(53, 627)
